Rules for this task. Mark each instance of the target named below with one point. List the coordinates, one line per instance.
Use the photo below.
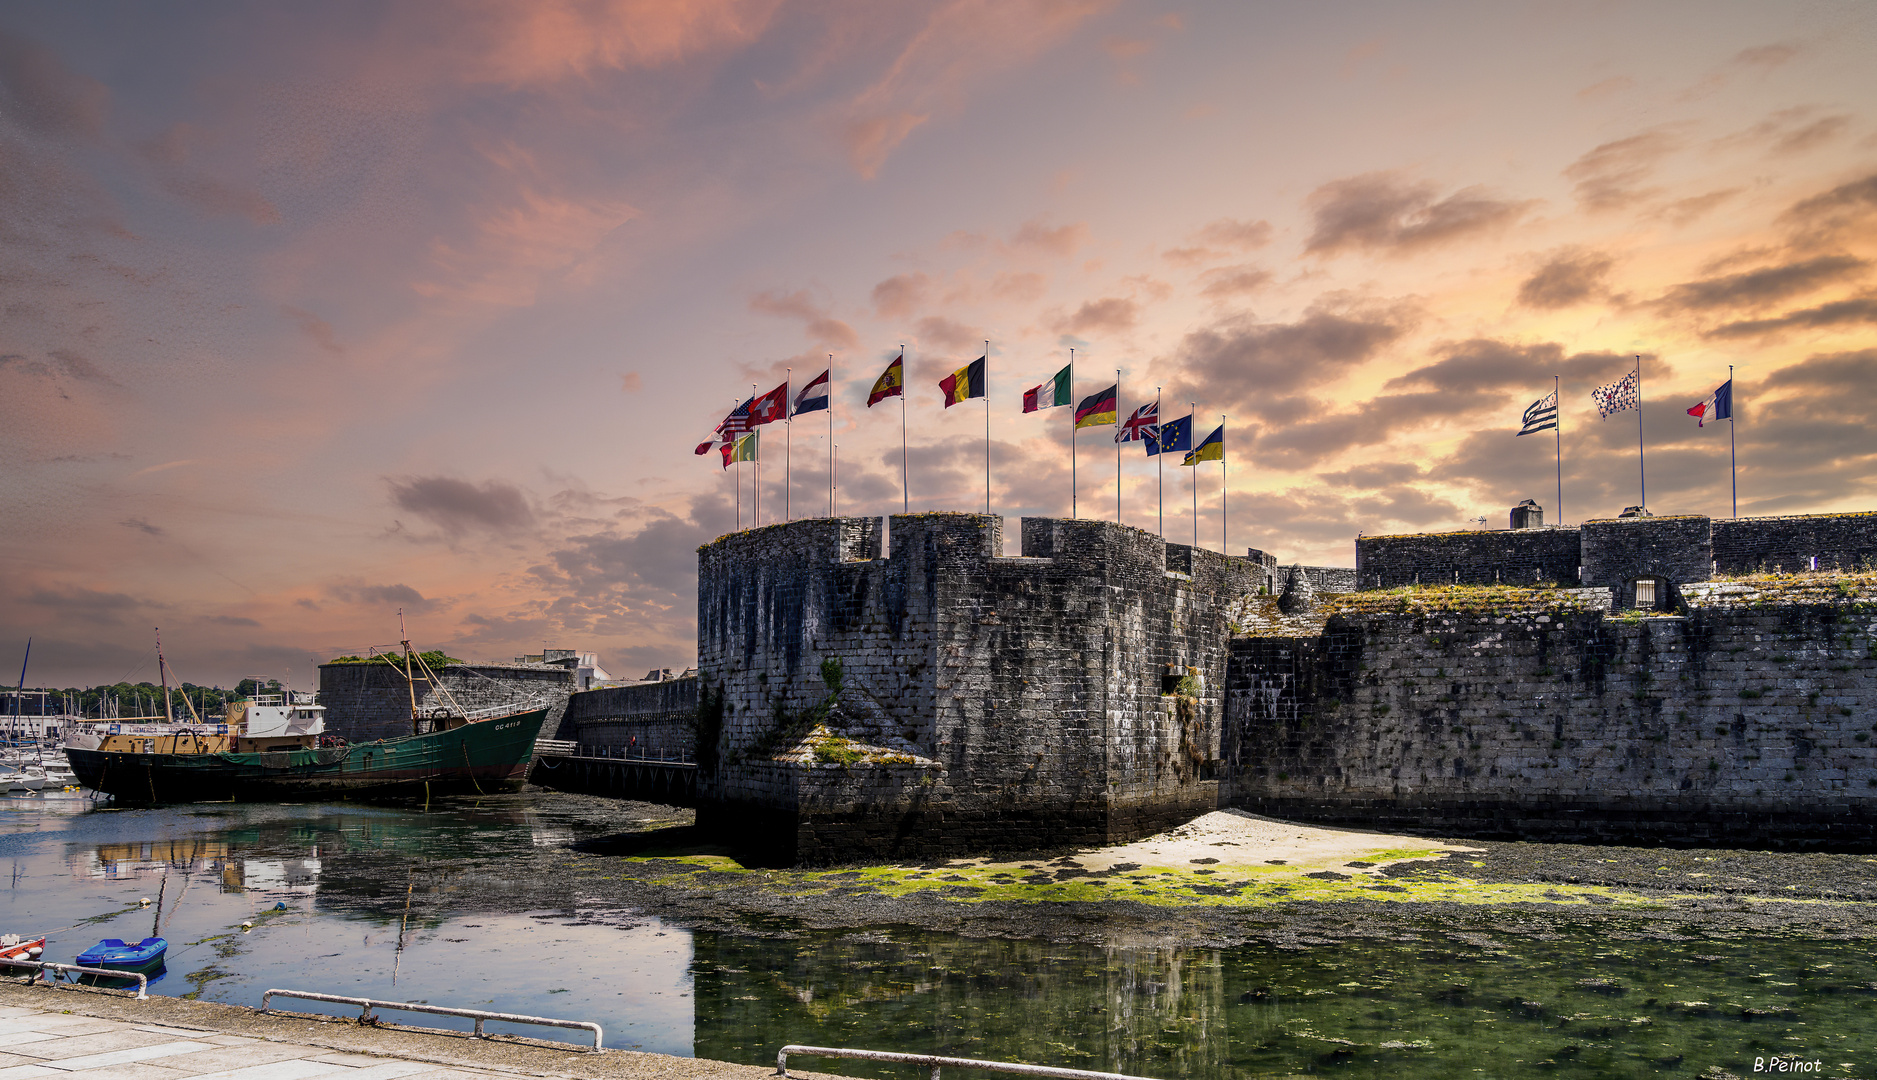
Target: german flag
(891, 383)
(1097, 409)
(965, 383)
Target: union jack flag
(1618, 396)
(1142, 426)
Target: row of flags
(736, 436)
(1621, 396)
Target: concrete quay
(75, 1032)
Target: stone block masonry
(1808, 542)
(1517, 557)
(653, 719)
(1069, 696)
(1750, 718)
(372, 701)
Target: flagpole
(987, 427)
(905, 493)
(756, 485)
(1557, 443)
(739, 482)
(1642, 470)
(788, 446)
(1160, 466)
(830, 434)
(1072, 407)
(1192, 408)
(1117, 446)
(1733, 465)
(1224, 547)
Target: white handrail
(937, 1062)
(366, 1005)
(46, 967)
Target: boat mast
(410, 681)
(162, 674)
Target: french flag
(1720, 406)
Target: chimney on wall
(1528, 515)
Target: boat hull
(488, 755)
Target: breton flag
(1096, 409)
(1718, 406)
(1172, 436)
(965, 383)
(1140, 426)
(1541, 415)
(1048, 395)
(1212, 448)
(891, 383)
(770, 407)
(814, 396)
(1619, 396)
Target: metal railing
(47, 967)
(366, 1005)
(937, 1062)
(632, 753)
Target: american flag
(1618, 396)
(1143, 425)
(737, 423)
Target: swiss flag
(771, 406)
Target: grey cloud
(1609, 177)
(317, 329)
(1862, 309)
(458, 505)
(1766, 56)
(46, 95)
(399, 595)
(1755, 288)
(1109, 315)
(1569, 276)
(1822, 217)
(1382, 211)
(817, 323)
(78, 367)
(1486, 364)
(898, 296)
(1240, 358)
(1245, 235)
(1062, 240)
(90, 605)
(1374, 475)
(140, 525)
(232, 620)
(217, 197)
(1228, 281)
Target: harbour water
(412, 904)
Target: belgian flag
(965, 383)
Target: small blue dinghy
(113, 953)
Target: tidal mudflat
(1234, 946)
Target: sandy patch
(1234, 839)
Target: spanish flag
(965, 383)
(1096, 409)
(1212, 449)
(891, 383)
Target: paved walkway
(35, 1043)
(72, 1032)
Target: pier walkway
(75, 1033)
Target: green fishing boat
(274, 747)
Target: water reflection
(455, 907)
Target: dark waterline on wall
(398, 903)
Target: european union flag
(1174, 436)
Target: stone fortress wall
(654, 719)
(1718, 712)
(995, 701)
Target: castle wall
(1514, 557)
(1618, 551)
(1750, 719)
(1008, 702)
(372, 701)
(1837, 541)
(650, 718)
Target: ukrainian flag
(1212, 449)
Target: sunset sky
(313, 312)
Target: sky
(312, 314)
